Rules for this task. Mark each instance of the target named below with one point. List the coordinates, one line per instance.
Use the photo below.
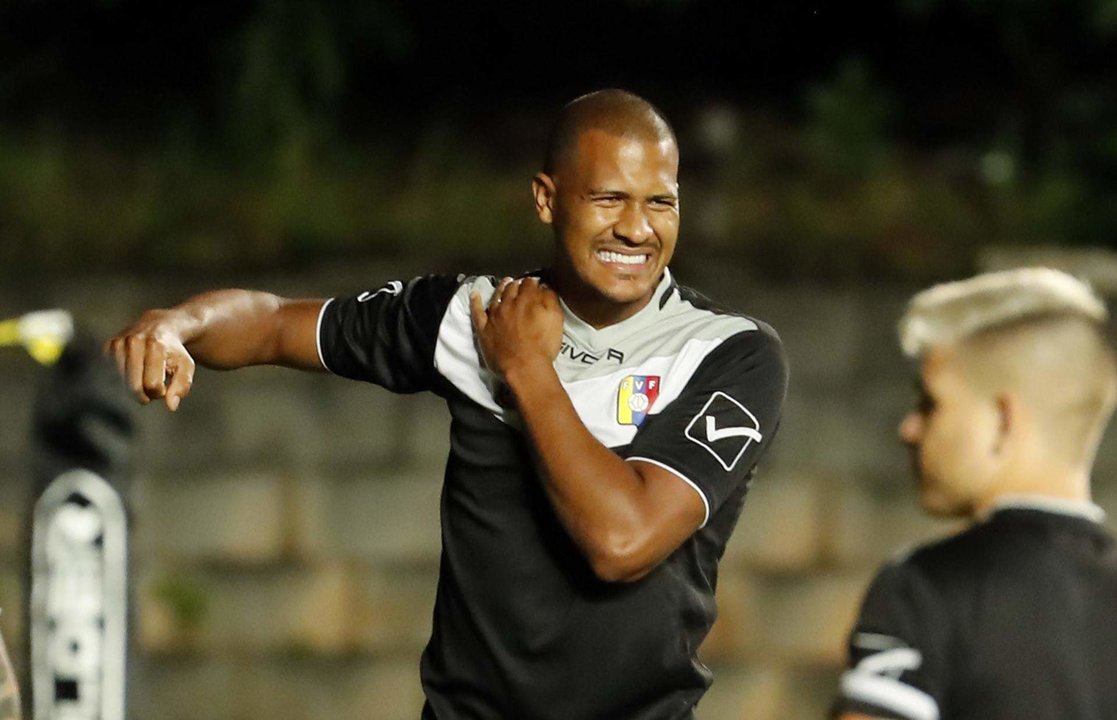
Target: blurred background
(285, 526)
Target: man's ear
(543, 188)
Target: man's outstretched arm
(223, 329)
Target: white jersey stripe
(456, 356)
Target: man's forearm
(625, 517)
(224, 329)
(604, 502)
(227, 329)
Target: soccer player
(605, 423)
(1012, 618)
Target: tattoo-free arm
(626, 517)
(221, 329)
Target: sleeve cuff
(684, 478)
(318, 334)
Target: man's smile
(627, 261)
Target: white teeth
(614, 257)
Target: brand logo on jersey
(586, 358)
(395, 287)
(635, 398)
(725, 428)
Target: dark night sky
(133, 62)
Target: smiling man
(605, 424)
(1014, 617)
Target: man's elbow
(620, 561)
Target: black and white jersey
(522, 627)
(1014, 618)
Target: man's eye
(926, 405)
(607, 199)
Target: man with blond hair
(1014, 617)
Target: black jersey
(523, 629)
(1013, 619)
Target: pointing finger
(134, 367)
(182, 380)
(154, 369)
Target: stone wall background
(285, 525)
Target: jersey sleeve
(898, 649)
(387, 336)
(712, 434)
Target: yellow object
(9, 332)
(43, 334)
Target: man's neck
(1046, 503)
(600, 313)
(592, 308)
(1067, 486)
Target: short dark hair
(618, 112)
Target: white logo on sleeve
(395, 287)
(725, 428)
(875, 679)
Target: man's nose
(633, 225)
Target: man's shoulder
(698, 314)
(964, 556)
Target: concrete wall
(286, 525)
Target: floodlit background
(835, 157)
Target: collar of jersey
(1046, 503)
(600, 338)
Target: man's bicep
(673, 507)
(296, 334)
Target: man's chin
(628, 290)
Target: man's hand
(625, 517)
(521, 328)
(153, 359)
(221, 329)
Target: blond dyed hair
(1038, 331)
(953, 311)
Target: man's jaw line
(595, 305)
